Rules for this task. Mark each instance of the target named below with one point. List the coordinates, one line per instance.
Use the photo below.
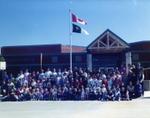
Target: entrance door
(106, 60)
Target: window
(54, 59)
(135, 57)
(78, 58)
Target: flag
(78, 20)
(84, 31)
(77, 29)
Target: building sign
(2, 65)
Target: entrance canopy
(107, 42)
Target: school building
(106, 51)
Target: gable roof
(108, 41)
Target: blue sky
(31, 22)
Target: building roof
(37, 49)
(107, 42)
(140, 46)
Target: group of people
(80, 84)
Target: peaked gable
(108, 40)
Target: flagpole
(70, 39)
(41, 60)
(70, 52)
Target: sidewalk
(146, 94)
